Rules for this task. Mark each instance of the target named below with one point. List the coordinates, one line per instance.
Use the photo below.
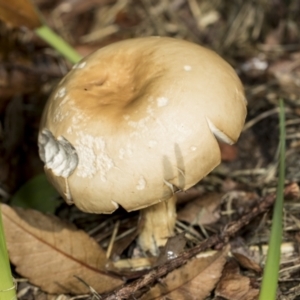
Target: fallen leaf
(50, 253)
(189, 195)
(246, 261)
(19, 13)
(172, 249)
(193, 281)
(203, 210)
(234, 286)
(244, 256)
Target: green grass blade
(59, 44)
(7, 288)
(271, 270)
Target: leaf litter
(235, 286)
(244, 256)
(193, 281)
(51, 253)
(19, 13)
(261, 40)
(203, 210)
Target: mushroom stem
(157, 225)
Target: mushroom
(137, 121)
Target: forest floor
(261, 40)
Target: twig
(217, 240)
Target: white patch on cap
(126, 117)
(65, 100)
(162, 101)
(58, 154)
(92, 156)
(187, 68)
(219, 135)
(77, 118)
(141, 126)
(80, 65)
(60, 93)
(193, 148)
(62, 110)
(141, 184)
(60, 116)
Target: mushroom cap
(137, 120)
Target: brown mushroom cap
(137, 120)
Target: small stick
(217, 240)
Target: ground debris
(260, 40)
(234, 286)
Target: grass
(59, 44)
(271, 270)
(7, 287)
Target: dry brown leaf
(19, 13)
(50, 252)
(246, 261)
(193, 281)
(172, 249)
(244, 256)
(234, 286)
(202, 211)
(189, 195)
